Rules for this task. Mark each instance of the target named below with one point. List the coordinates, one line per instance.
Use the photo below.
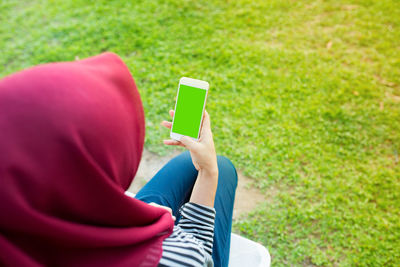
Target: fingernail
(174, 218)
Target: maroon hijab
(71, 138)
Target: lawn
(304, 98)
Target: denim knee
(230, 173)
(184, 158)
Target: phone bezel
(193, 83)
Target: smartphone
(189, 108)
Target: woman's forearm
(205, 188)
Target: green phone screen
(188, 111)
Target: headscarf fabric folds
(71, 139)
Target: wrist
(211, 172)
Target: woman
(71, 138)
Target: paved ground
(246, 197)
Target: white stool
(245, 252)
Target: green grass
(304, 98)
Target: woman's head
(61, 112)
(64, 122)
(71, 138)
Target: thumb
(188, 142)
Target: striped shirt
(191, 242)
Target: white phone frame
(193, 83)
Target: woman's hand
(202, 152)
(204, 160)
(164, 207)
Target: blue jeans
(172, 187)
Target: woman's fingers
(167, 124)
(161, 206)
(188, 142)
(206, 119)
(164, 207)
(206, 126)
(173, 143)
